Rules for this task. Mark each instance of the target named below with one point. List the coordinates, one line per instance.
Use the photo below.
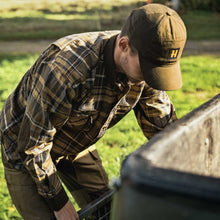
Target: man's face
(129, 62)
(131, 66)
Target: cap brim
(166, 77)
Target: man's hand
(67, 212)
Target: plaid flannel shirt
(66, 101)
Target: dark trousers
(84, 177)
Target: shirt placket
(116, 107)
(113, 112)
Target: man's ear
(123, 43)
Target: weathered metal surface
(192, 144)
(176, 175)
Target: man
(79, 87)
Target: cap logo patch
(173, 53)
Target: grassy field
(41, 19)
(25, 19)
(201, 82)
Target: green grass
(201, 82)
(43, 19)
(20, 20)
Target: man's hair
(124, 32)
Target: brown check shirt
(67, 100)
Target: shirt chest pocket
(83, 116)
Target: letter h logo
(173, 53)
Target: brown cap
(159, 35)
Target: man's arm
(67, 212)
(47, 108)
(35, 142)
(154, 111)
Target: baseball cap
(159, 35)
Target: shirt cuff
(58, 201)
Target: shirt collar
(109, 63)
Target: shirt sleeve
(154, 111)
(48, 106)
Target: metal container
(176, 175)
